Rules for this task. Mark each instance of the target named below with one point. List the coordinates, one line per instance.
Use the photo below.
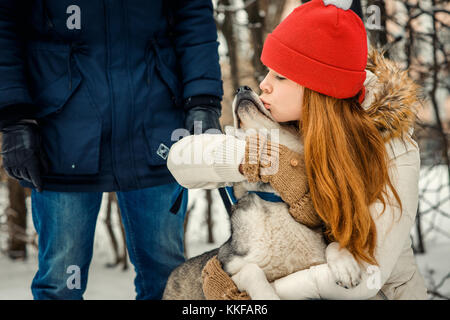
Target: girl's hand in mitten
(284, 169)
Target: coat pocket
(69, 121)
(53, 98)
(163, 114)
(162, 60)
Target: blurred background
(415, 34)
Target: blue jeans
(65, 223)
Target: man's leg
(65, 223)
(154, 235)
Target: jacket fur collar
(392, 98)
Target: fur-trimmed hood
(392, 98)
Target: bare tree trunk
(227, 29)
(16, 220)
(209, 221)
(378, 36)
(124, 242)
(420, 247)
(257, 27)
(435, 70)
(272, 20)
(119, 257)
(109, 228)
(410, 41)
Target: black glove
(202, 113)
(23, 158)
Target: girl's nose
(265, 86)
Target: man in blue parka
(91, 95)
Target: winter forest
(415, 34)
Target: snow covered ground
(113, 283)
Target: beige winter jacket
(212, 161)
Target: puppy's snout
(243, 89)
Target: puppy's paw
(343, 266)
(248, 277)
(252, 279)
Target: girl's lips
(266, 105)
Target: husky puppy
(263, 232)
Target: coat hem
(102, 184)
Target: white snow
(113, 283)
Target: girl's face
(281, 96)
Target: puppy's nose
(243, 89)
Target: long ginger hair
(347, 168)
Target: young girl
(361, 162)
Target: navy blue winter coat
(106, 80)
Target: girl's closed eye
(280, 77)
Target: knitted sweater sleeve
(393, 229)
(207, 161)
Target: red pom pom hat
(321, 45)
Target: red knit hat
(322, 45)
